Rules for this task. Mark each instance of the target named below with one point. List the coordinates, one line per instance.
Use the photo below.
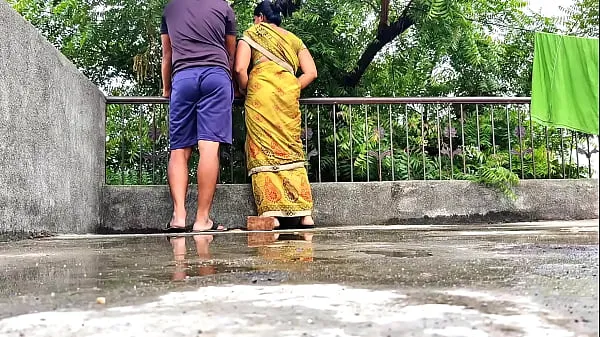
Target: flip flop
(174, 230)
(293, 224)
(213, 228)
(290, 237)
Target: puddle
(55, 274)
(399, 253)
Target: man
(198, 42)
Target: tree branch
(385, 35)
(384, 15)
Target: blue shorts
(200, 107)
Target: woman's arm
(242, 62)
(309, 69)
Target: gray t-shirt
(197, 30)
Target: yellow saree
(274, 151)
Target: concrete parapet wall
(148, 208)
(51, 136)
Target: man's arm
(230, 46)
(166, 67)
(167, 57)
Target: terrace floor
(527, 279)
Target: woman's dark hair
(273, 11)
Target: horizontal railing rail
(489, 139)
(349, 100)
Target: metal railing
(369, 139)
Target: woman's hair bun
(274, 10)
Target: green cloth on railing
(565, 82)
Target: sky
(549, 7)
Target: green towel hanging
(565, 82)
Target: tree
(117, 40)
(373, 47)
(582, 18)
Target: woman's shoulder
(293, 37)
(254, 28)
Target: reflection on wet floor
(280, 247)
(552, 265)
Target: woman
(275, 155)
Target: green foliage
(451, 47)
(582, 18)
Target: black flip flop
(174, 230)
(294, 223)
(290, 237)
(213, 229)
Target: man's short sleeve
(163, 26)
(231, 24)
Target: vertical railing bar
(423, 140)
(335, 171)
(547, 152)
(245, 160)
(305, 134)
(532, 134)
(219, 172)
(589, 157)
(122, 146)
(379, 143)
(231, 152)
(571, 152)
(351, 146)
(451, 151)
(462, 131)
(510, 165)
(577, 154)
(408, 154)
(367, 143)
(154, 138)
(392, 143)
(319, 138)
(562, 153)
(521, 143)
(493, 132)
(167, 149)
(141, 116)
(478, 131)
(439, 139)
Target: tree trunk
(384, 37)
(386, 33)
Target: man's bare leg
(208, 171)
(178, 180)
(202, 243)
(179, 251)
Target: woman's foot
(308, 221)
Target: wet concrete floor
(536, 279)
